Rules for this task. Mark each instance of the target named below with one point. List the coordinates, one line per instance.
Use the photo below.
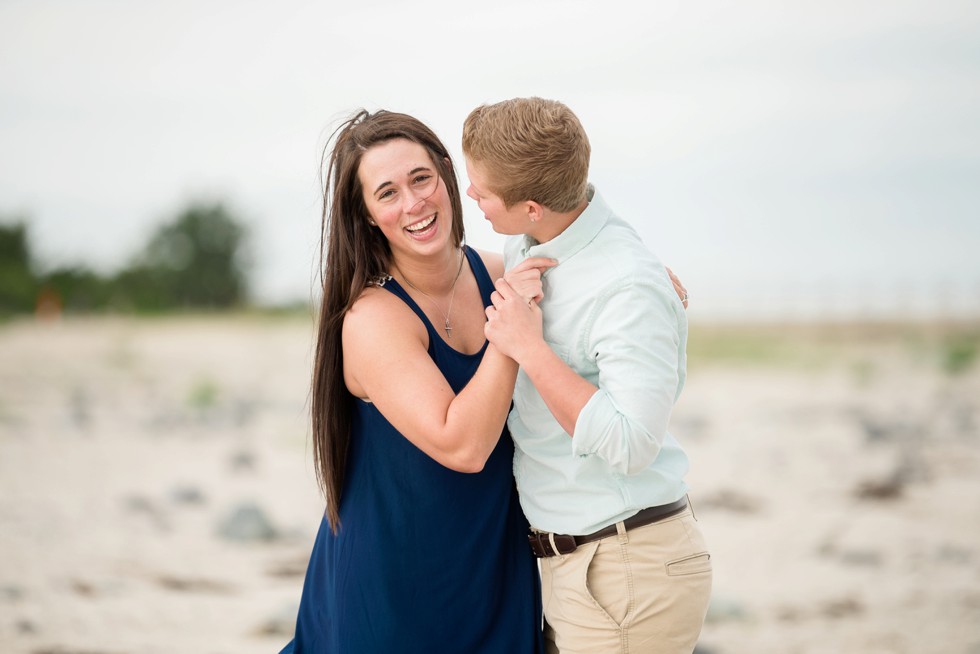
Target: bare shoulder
(378, 330)
(494, 262)
(378, 311)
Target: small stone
(242, 461)
(193, 585)
(11, 593)
(25, 627)
(861, 557)
(842, 608)
(83, 588)
(890, 488)
(722, 609)
(789, 614)
(282, 623)
(189, 495)
(289, 569)
(955, 555)
(247, 523)
(730, 500)
(139, 504)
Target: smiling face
(406, 197)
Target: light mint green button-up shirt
(611, 313)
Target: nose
(414, 202)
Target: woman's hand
(514, 323)
(525, 278)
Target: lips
(422, 225)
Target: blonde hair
(530, 149)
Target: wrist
(494, 352)
(536, 354)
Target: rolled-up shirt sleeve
(634, 340)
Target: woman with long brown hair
(423, 545)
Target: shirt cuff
(591, 428)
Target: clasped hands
(514, 321)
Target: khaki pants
(645, 590)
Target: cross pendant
(449, 330)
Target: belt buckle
(540, 546)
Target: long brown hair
(352, 254)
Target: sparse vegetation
(203, 395)
(959, 353)
(955, 346)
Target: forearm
(475, 418)
(563, 390)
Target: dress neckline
(479, 272)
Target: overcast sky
(778, 155)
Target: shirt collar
(576, 236)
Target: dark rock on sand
(247, 523)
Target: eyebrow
(417, 169)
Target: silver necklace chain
(445, 314)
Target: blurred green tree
(18, 283)
(196, 261)
(76, 288)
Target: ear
(535, 211)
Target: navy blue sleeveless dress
(426, 559)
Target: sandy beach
(157, 492)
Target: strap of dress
(483, 281)
(393, 286)
(482, 275)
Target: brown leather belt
(541, 541)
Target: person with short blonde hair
(536, 149)
(602, 361)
